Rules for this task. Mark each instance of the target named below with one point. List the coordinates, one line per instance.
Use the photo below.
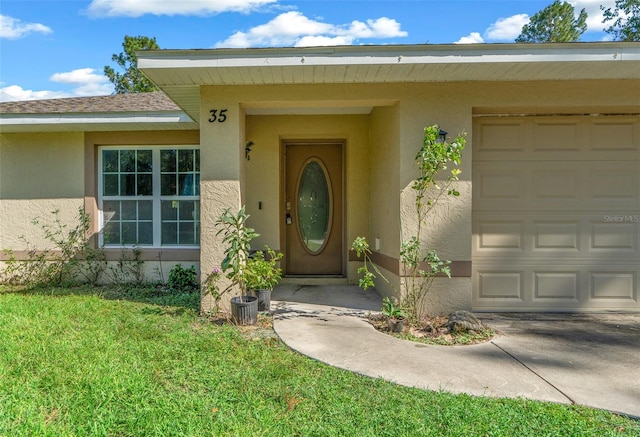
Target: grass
(103, 362)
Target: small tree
(420, 266)
(237, 236)
(555, 23)
(131, 80)
(625, 18)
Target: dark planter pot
(395, 325)
(264, 299)
(244, 310)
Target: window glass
(144, 161)
(145, 233)
(110, 160)
(127, 161)
(168, 161)
(110, 184)
(145, 185)
(169, 233)
(168, 183)
(180, 222)
(185, 160)
(150, 204)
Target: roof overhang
(180, 73)
(90, 122)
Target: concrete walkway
(587, 359)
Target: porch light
(442, 135)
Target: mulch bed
(432, 330)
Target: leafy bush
(392, 310)
(183, 280)
(261, 273)
(72, 256)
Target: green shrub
(71, 258)
(183, 280)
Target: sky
(59, 48)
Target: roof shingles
(140, 102)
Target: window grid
(149, 196)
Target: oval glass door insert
(314, 206)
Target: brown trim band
(459, 269)
(192, 255)
(170, 255)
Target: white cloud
(594, 13)
(503, 29)
(294, 29)
(319, 41)
(507, 29)
(13, 28)
(380, 28)
(13, 93)
(472, 38)
(83, 82)
(137, 8)
(87, 81)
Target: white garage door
(556, 213)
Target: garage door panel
(615, 182)
(556, 233)
(501, 185)
(501, 136)
(556, 224)
(535, 287)
(610, 287)
(614, 135)
(557, 136)
(500, 286)
(564, 184)
(551, 287)
(621, 238)
(571, 185)
(501, 236)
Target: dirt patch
(433, 330)
(262, 330)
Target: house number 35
(219, 115)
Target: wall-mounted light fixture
(442, 135)
(247, 150)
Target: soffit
(180, 73)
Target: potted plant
(237, 236)
(395, 315)
(262, 275)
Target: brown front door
(313, 209)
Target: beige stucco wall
(221, 151)
(263, 172)
(452, 106)
(43, 172)
(39, 173)
(383, 213)
(382, 205)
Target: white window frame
(156, 198)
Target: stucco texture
(381, 147)
(39, 173)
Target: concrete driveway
(593, 359)
(587, 359)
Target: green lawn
(92, 362)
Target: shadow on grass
(166, 300)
